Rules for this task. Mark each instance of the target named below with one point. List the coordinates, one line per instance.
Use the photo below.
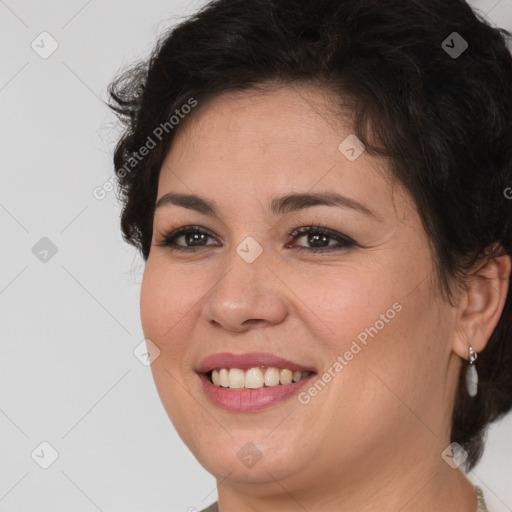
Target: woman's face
(362, 315)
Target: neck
(418, 487)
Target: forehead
(276, 118)
(247, 145)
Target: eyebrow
(278, 206)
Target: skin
(372, 438)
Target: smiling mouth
(255, 378)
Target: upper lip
(247, 360)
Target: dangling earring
(471, 375)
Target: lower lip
(250, 399)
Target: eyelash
(346, 242)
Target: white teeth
(236, 378)
(285, 376)
(256, 377)
(296, 375)
(223, 378)
(272, 376)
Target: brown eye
(193, 237)
(319, 239)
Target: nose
(247, 294)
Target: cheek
(171, 299)
(393, 343)
(165, 299)
(165, 302)
(373, 322)
(346, 303)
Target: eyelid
(319, 228)
(173, 233)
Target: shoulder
(212, 508)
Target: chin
(249, 456)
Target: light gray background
(68, 375)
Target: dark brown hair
(440, 111)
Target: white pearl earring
(471, 374)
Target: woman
(319, 191)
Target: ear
(481, 305)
